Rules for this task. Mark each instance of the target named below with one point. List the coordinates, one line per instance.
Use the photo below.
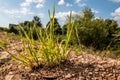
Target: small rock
(4, 60)
(96, 70)
(10, 73)
(16, 77)
(118, 78)
(33, 74)
(8, 77)
(90, 73)
(66, 69)
(100, 66)
(81, 78)
(68, 76)
(110, 74)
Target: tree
(90, 31)
(36, 20)
(87, 14)
(28, 26)
(34, 23)
(56, 26)
(13, 28)
(111, 26)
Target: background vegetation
(98, 33)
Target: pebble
(8, 77)
(118, 78)
(68, 76)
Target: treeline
(4, 29)
(89, 31)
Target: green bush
(91, 32)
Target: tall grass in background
(47, 50)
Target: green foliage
(32, 24)
(13, 28)
(112, 26)
(87, 14)
(37, 22)
(26, 26)
(115, 43)
(56, 27)
(91, 32)
(3, 29)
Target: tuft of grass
(47, 51)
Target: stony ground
(81, 67)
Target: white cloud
(116, 1)
(17, 16)
(69, 5)
(82, 4)
(61, 2)
(27, 3)
(18, 12)
(12, 12)
(25, 11)
(77, 1)
(39, 5)
(62, 15)
(95, 11)
(116, 14)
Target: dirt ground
(83, 67)
(75, 67)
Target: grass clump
(47, 50)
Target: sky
(16, 11)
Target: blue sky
(15, 11)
